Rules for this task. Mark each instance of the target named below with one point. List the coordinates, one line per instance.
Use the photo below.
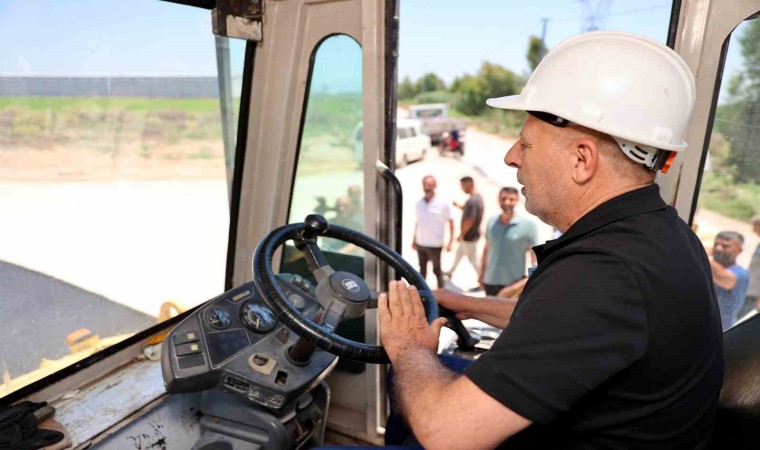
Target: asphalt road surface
(46, 310)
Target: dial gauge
(257, 317)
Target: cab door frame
(701, 38)
(292, 30)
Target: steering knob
(316, 225)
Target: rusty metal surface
(171, 424)
(238, 19)
(94, 409)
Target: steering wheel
(342, 295)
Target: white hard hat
(635, 89)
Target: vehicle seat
(738, 421)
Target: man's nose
(512, 158)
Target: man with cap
(616, 340)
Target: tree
(407, 89)
(536, 51)
(429, 83)
(739, 119)
(492, 80)
(469, 95)
(499, 81)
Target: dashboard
(235, 343)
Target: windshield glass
(727, 218)
(113, 186)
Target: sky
(151, 37)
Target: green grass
(719, 193)
(328, 135)
(58, 104)
(97, 122)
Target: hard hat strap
(550, 118)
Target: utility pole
(542, 51)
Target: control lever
(465, 340)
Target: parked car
(411, 142)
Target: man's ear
(586, 153)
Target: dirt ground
(184, 160)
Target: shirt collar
(639, 201)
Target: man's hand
(402, 321)
(414, 246)
(454, 302)
(460, 238)
(448, 247)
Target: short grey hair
(730, 236)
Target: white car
(411, 143)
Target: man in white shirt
(432, 216)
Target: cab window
(729, 194)
(329, 178)
(114, 192)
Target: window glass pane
(113, 189)
(329, 178)
(729, 195)
(451, 59)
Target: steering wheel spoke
(373, 299)
(331, 316)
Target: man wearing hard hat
(616, 339)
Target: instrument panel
(235, 343)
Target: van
(411, 142)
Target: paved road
(51, 309)
(484, 161)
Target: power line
(617, 14)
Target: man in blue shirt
(731, 280)
(508, 238)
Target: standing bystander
(508, 238)
(432, 216)
(731, 280)
(469, 233)
(753, 292)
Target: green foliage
(750, 45)
(719, 193)
(56, 104)
(407, 89)
(469, 96)
(739, 119)
(499, 121)
(536, 51)
(328, 133)
(430, 82)
(492, 80)
(441, 96)
(105, 124)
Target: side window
(729, 196)
(113, 195)
(329, 177)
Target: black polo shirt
(616, 340)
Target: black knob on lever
(316, 225)
(465, 340)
